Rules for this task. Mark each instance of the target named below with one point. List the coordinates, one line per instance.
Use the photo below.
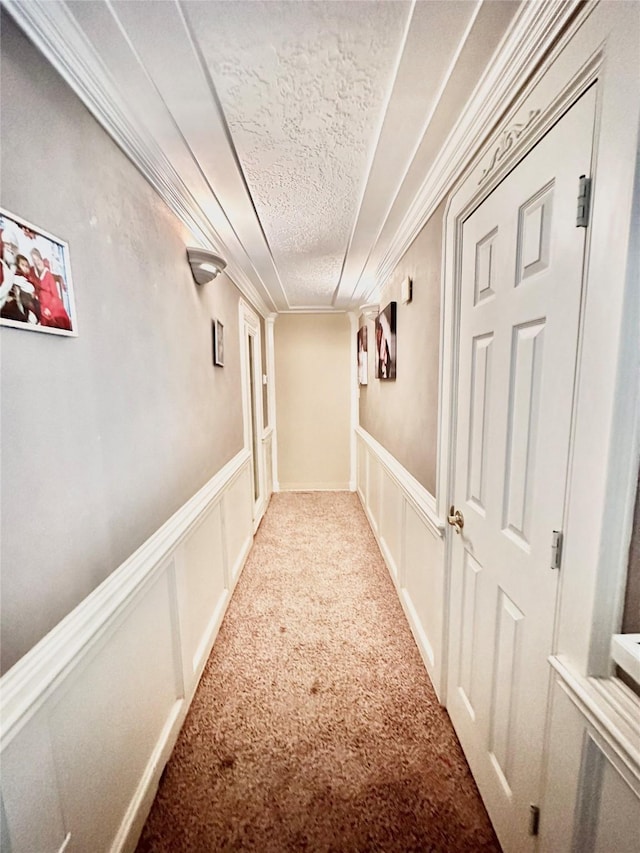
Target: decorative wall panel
(526, 370)
(478, 421)
(90, 715)
(403, 518)
(503, 705)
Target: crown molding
(55, 32)
(535, 30)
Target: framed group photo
(36, 291)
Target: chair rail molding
(104, 694)
(421, 498)
(611, 708)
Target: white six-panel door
(521, 288)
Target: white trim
(416, 626)
(316, 487)
(140, 805)
(534, 30)
(250, 327)
(426, 628)
(610, 707)
(625, 651)
(81, 651)
(603, 465)
(355, 397)
(420, 498)
(25, 686)
(608, 356)
(271, 397)
(468, 195)
(359, 288)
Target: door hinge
(584, 202)
(556, 549)
(534, 819)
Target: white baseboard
(315, 487)
(97, 705)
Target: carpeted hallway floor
(315, 726)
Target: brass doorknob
(455, 519)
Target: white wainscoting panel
(390, 521)
(202, 586)
(267, 443)
(372, 503)
(28, 776)
(592, 791)
(362, 457)
(238, 520)
(90, 715)
(105, 724)
(403, 518)
(423, 589)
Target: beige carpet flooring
(315, 726)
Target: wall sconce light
(205, 266)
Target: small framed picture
(363, 356)
(218, 343)
(36, 292)
(386, 343)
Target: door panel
(521, 284)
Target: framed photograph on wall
(36, 292)
(363, 356)
(386, 342)
(218, 343)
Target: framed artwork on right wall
(386, 342)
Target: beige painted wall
(402, 414)
(313, 361)
(106, 435)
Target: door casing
(250, 328)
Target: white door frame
(601, 494)
(250, 326)
(271, 399)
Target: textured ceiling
(303, 87)
(293, 138)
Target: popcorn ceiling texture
(303, 99)
(315, 726)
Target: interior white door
(521, 288)
(251, 365)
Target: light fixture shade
(205, 266)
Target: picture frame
(217, 329)
(386, 342)
(363, 356)
(36, 287)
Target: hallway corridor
(315, 726)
